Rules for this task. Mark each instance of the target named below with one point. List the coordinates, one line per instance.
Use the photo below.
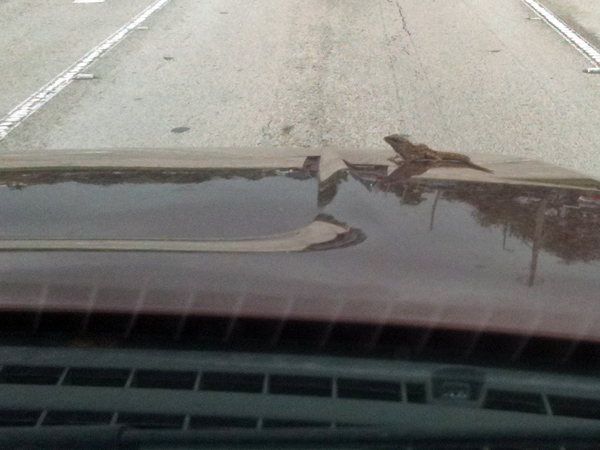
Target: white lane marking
(42, 96)
(573, 38)
(88, 1)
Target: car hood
(327, 235)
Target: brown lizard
(421, 152)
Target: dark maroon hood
(287, 240)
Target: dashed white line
(18, 114)
(571, 36)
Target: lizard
(421, 152)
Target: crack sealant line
(571, 36)
(43, 95)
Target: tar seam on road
(573, 38)
(37, 100)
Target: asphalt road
(581, 15)
(472, 76)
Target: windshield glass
(475, 77)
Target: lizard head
(396, 138)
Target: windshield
(325, 215)
(476, 77)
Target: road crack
(402, 18)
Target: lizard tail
(475, 166)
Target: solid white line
(35, 101)
(571, 36)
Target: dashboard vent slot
(30, 375)
(575, 407)
(163, 379)
(416, 393)
(514, 401)
(200, 422)
(232, 382)
(102, 377)
(145, 421)
(77, 418)
(369, 390)
(301, 385)
(19, 417)
(277, 423)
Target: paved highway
(472, 76)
